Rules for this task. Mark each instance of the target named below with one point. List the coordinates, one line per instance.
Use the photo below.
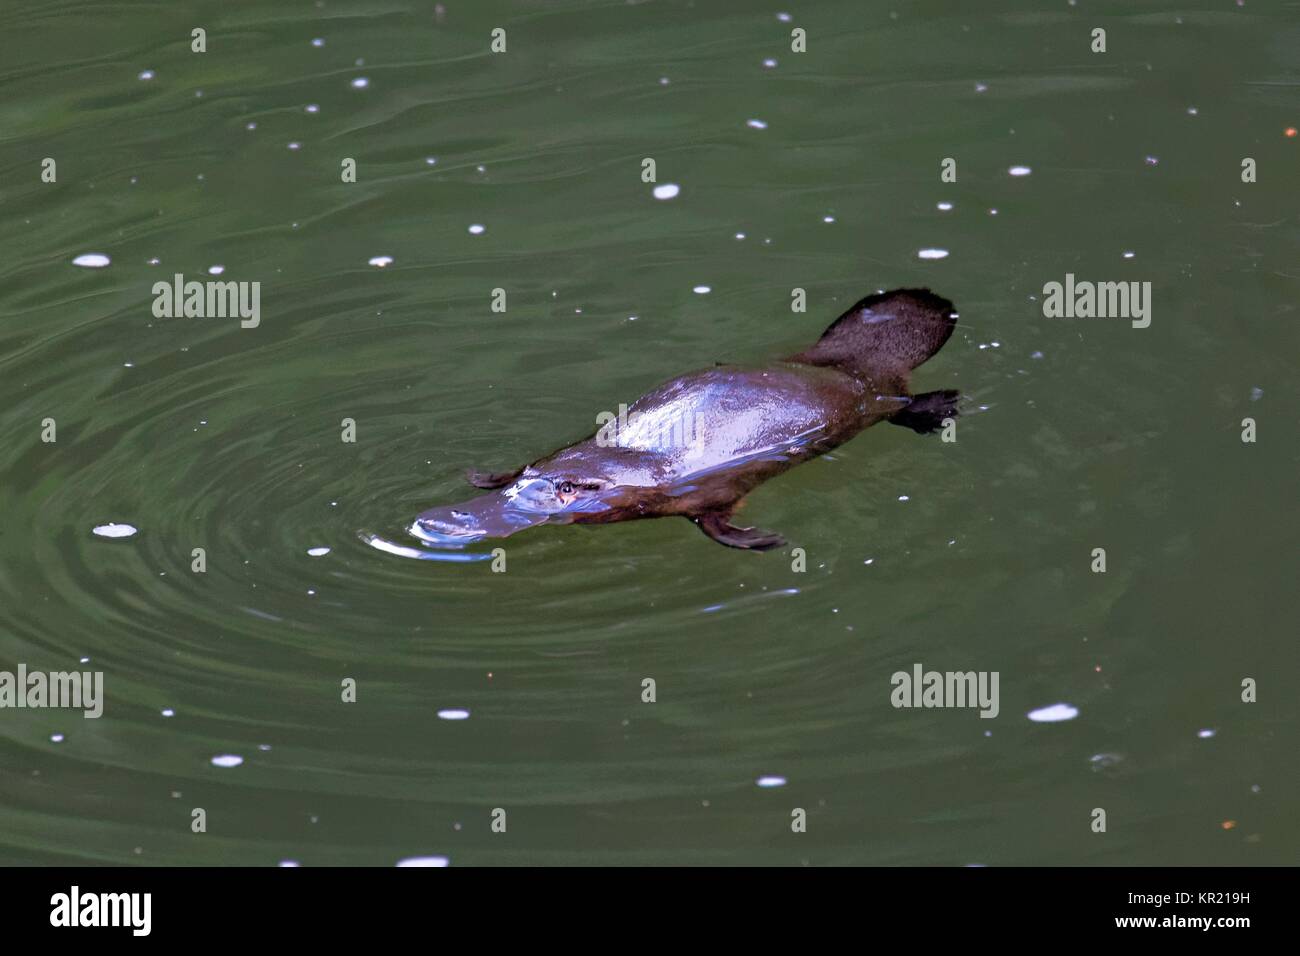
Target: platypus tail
(891, 332)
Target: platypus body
(695, 446)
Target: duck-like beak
(495, 515)
(525, 503)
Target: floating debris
(115, 530)
(1053, 714)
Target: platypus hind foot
(717, 527)
(492, 479)
(926, 412)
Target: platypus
(695, 446)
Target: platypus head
(536, 496)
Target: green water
(1079, 433)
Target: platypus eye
(566, 488)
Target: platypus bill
(695, 446)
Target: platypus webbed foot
(492, 479)
(717, 526)
(926, 412)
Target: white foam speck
(770, 781)
(1019, 170)
(227, 760)
(56, 738)
(667, 191)
(91, 260)
(702, 289)
(360, 83)
(477, 229)
(289, 863)
(115, 530)
(146, 74)
(318, 552)
(380, 262)
(932, 254)
(453, 713)
(769, 64)
(168, 712)
(1129, 255)
(312, 108)
(944, 206)
(756, 124)
(1053, 714)
(424, 861)
(1203, 734)
(318, 41)
(216, 270)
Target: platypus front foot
(492, 479)
(717, 526)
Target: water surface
(522, 690)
